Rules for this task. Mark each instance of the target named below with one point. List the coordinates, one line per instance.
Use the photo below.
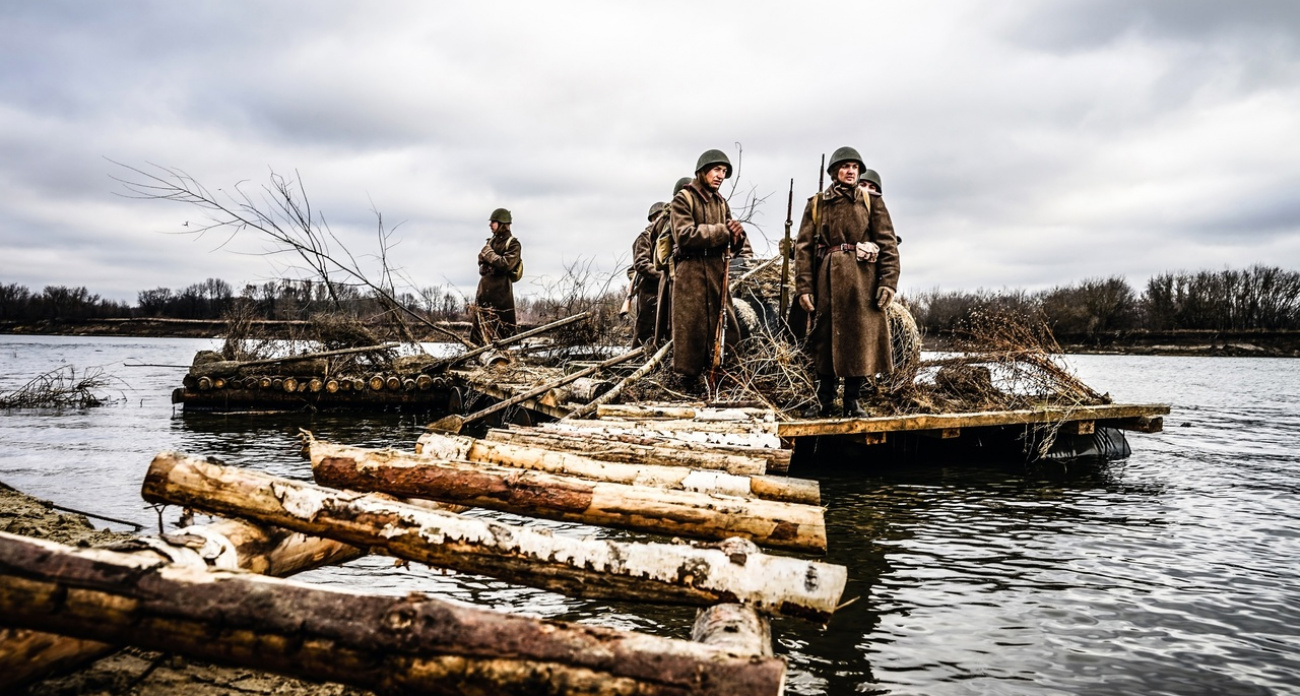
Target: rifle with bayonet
(786, 251)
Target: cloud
(1012, 139)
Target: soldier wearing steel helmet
(846, 274)
(704, 234)
(663, 259)
(499, 266)
(648, 275)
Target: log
(534, 493)
(612, 394)
(680, 412)
(750, 435)
(453, 423)
(588, 567)
(734, 627)
(689, 478)
(626, 447)
(30, 655)
(497, 345)
(411, 644)
(581, 390)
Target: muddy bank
(137, 672)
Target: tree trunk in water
(411, 644)
(669, 573)
(26, 655)
(696, 478)
(657, 511)
(775, 460)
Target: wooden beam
(1139, 424)
(414, 643)
(937, 421)
(580, 567)
(1082, 427)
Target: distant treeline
(1259, 297)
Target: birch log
(411, 644)
(593, 568)
(684, 478)
(538, 494)
(644, 449)
(27, 655)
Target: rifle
(626, 307)
(720, 336)
(786, 251)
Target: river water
(1172, 572)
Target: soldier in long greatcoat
(704, 236)
(664, 252)
(846, 263)
(498, 262)
(647, 275)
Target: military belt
(680, 255)
(823, 250)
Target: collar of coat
(837, 190)
(703, 192)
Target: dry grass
(61, 388)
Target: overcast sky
(1022, 144)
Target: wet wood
(580, 567)
(689, 478)
(735, 628)
(1140, 424)
(845, 426)
(29, 655)
(625, 446)
(410, 644)
(534, 493)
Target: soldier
(704, 235)
(870, 180)
(500, 264)
(648, 275)
(663, 252)
(846, 261)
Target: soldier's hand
(806, 301)
(735, 229)
(884, 297)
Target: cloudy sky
(1022, 144)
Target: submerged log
(695, 478)
(734, 627)
(29, 655)
(411, 644)
(592, 568)
(633, 449)
(656, 511)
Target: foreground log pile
(198, 592)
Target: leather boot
(852, 396)
(826, 387)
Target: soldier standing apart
(664, 252)
(703, 235)
(647, 275)
(500, 264)
(846, 261)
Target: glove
(867, 251)
(884, 297)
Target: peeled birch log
(633, 449)
(671, 431)
(411, 644)
(685, 478)
(582, 390)
(591, 568)
(656, 511)
(29, 655)
(679, 412)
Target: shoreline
(1181, 342)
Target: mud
(132, 671)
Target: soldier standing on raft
(663, 251)
(648, 275)
(704, 236)
(846, 261)
(500, 264)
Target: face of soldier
(868, 185)
(494, 226)
(847, 174)
(714, 177)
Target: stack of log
(408, 506)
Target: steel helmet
(681, 184)
(654, 210)
(873, 177)
(500, 215)
(711, 159)
(842, 155)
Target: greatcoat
(495, 298)
(698, 219)
(647, 281)
(850, 334)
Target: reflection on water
(1172, 572)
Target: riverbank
(1207, 343)
(139, 672)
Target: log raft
(595, 568)
(411, 644)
